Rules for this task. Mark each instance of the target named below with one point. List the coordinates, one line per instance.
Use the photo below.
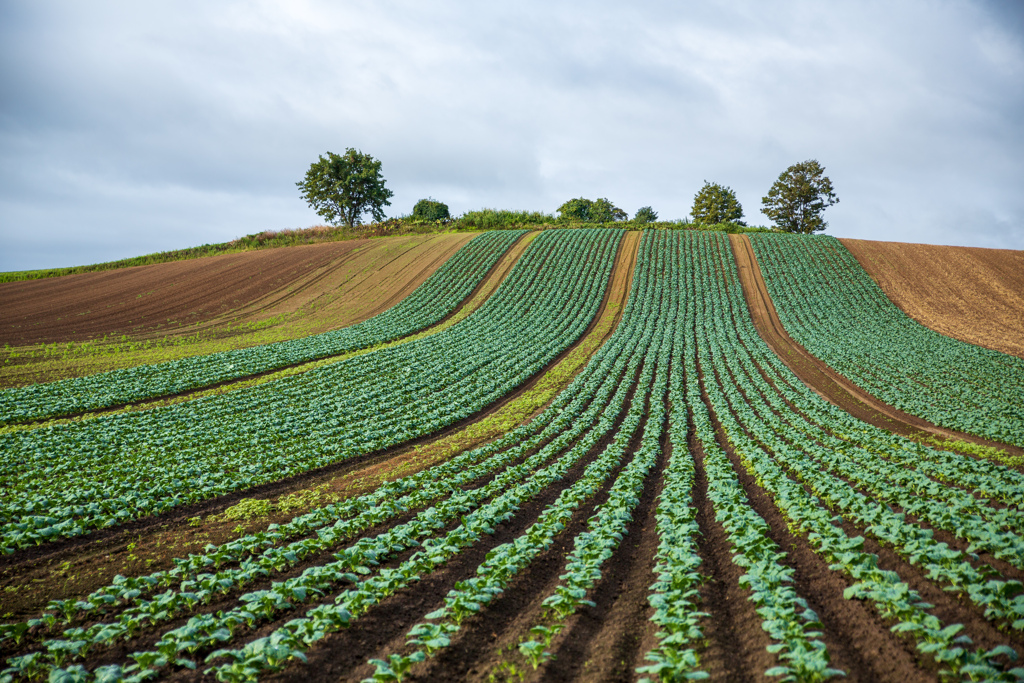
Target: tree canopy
(591, 211)
(796, 200)
(716, 203)
(430, 210)
(341, 188)
(645, 214)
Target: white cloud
(196, 119)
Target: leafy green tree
(604, 211)
(576, 210)
(645, 214)
(588, 211)
(430, 210)
(796, 200)
(341, 188)
(716, 204)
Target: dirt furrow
(822, 379)
(343, 656)
(857, 640)
(608, 642)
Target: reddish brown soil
(825, 381)
(975, 295)
(344, 281)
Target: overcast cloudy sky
(128, 127)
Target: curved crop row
(561, 436)
(831, 306)
(430, 302)
(785, 455)
(63, 480)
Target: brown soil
(344, 282)
(76, 566)
(974, 295)
(825, 381)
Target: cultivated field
(567, 455)
(976, 295)
(91, 322)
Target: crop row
(831, 306)
(577, 420)
(429, 303)
(685, 358)
(786, 455)
(65, 479)
(792, 627)
(605, 528)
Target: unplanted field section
(184, 297)
(65, 479)
(428, 304)
(974, 295)
(685, 508)
(830, 305)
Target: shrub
(430, 210)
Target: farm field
(975, 295)
(92, 322)
(606, 467)
(832, 307)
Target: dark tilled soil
(182, 297)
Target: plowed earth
(817, 375)
(974, 295)
(344, 282)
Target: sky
(128, 128)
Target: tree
(342, 188)
(645, 214)
(430, 210)
(588, 211)
(716, 204)
(796, 200)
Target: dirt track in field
(825, 381)
(341, 282)
(974, 295)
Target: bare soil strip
(168, 297)
(77, 566)
(822, 379)
(974, 295)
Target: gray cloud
(133, 127)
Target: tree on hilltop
(341, 188)
(716, 203)
(430, 210)
(645, 214)
(591, 211)
(796, 200)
